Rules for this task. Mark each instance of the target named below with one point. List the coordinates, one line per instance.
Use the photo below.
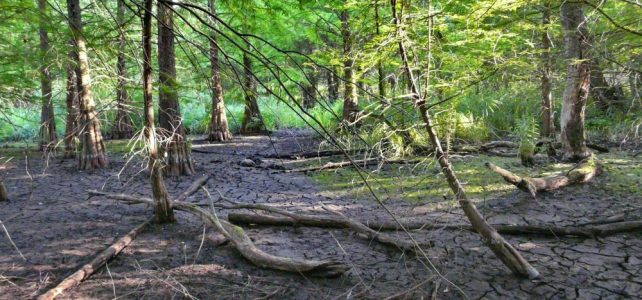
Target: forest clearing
(335, 149)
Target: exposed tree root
(334, 222)
(95, 264)
(580, 174)
(237, 236)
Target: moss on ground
(424, 183)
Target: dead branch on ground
(95, 264)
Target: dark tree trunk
(48, 137)
(605, 95)
(219, 130)
(123, 128)
(252, 119)
(163, 209)
(92, 147)
(309, 90)
(350, 100)
(577, 82)
(548, 120)
(333, 82)
(502, 249)
(381, 82)
(175, 149)
(71, 125)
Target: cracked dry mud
(58, 227)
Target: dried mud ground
(58, 227)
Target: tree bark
(634, 78)
(350, 100)
(548, 120)
(163, 208)
(48, 137)
(502, 249)
(71, 124)
(309, 90)
(578, 82)
(219, 130)
(381, 82)
(178, 159)
(333, 84)
(252, 118)
(92, 147)
(123, 128)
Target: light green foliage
(527, 131)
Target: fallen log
(311, 154)
(95, 264)
(580, 174)
(545, 230)
(240, 240)
(360, 163)
(498, 144)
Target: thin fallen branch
(580, 174)
(193, 188)
(334, 222)
(360, 163)
(95, 264)
(240, 240)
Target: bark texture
(73, 93)
(48, 137)
(252, 118)
(163, 208)
(548, 120)
(123, 128)
(92, 147)
(219, 130)
(350, 100)
(333, 82)
(502, 249)
(178, 159)
(578, 82)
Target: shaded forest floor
(58, 227)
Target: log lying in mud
(312, 154)
(333, 222)
(240, 240)
(580, 174)
(359, 163)
(95, 264)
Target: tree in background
(350, 100)
(92, 147)
(578, 82)
(48, 137)
(71, 124)
(218, 130)
(252, 118)
(175, 148)
(548, 110)
(123, 128)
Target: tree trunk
(218, 130)
(92, 147)
(252, 119)
(635, 92)
(4, 195)
(577, 82)
(174, 147)
(548, 120)
(71, 125)
(502, 249)
(605, 95)
(350, 100)
(123, 128)
(381, 82)
(333, 82)
(309, 90)
(48, 137)
(163, 209)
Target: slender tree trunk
(577, 82)
(4, 195)
(92, 147)
(381, 82)
(71, 125)
(548, 120)
(175, 148)
(309, 90)
(48, 137)
(605, 95)
(123, 128)
(163, 209)
(219, 130)
(502, 249)
(350, 100)
(634, 78)
(252, 119)
(333, 84)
